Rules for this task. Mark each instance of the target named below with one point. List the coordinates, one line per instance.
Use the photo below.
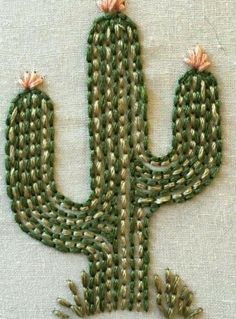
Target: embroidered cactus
(128, 183)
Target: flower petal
(111, 5)
(30, 80)
(198, 59)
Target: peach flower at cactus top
(111, 5)
(198, 59)
(31, 80)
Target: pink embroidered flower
(30, 80)
(111, 5)
(198, 59)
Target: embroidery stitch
(128, 182)
(175, 298)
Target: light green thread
(128, 183)
(174, 298)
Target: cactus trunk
(128, 183)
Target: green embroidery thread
(175, 298)
(128, 183)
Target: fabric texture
(196, 239)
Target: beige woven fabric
(197, 239)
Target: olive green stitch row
(128, 183)
(114, 158)
(142, 234)
(131, 209)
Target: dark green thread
(128, 183)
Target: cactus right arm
(195, 156)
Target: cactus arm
(197, 140)
(32, 195)
(30, 163)
(142, 145)
(196, 98)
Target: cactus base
(174, 300)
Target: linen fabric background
(196, 239)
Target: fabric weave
(197, 238)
